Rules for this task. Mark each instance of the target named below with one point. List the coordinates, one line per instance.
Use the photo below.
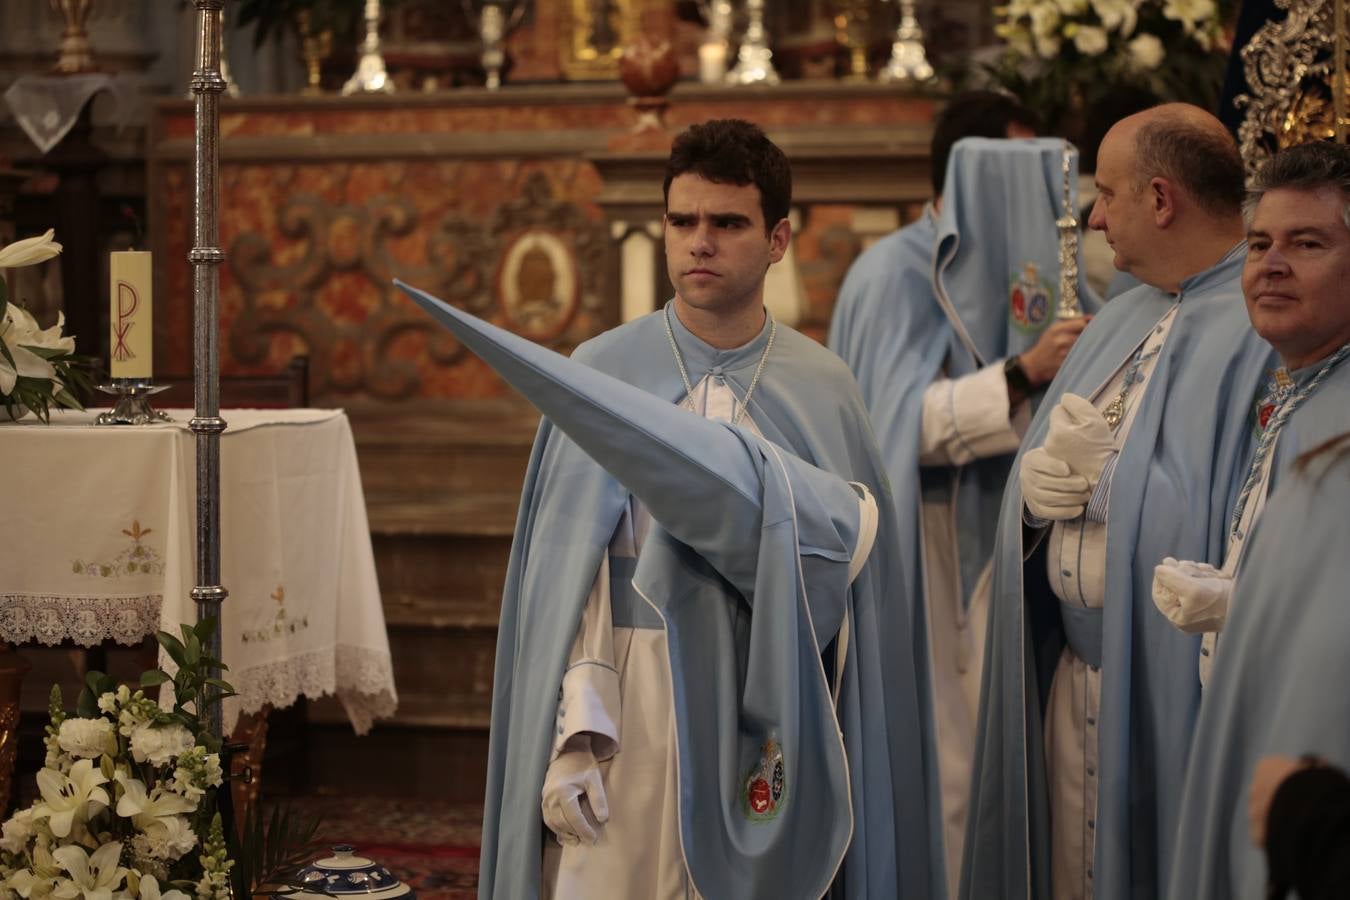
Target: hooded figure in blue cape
(1275, 687)
(939, 356)
(1090, 695)
(753, 561)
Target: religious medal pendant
(1115, 410)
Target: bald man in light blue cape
(795, 673)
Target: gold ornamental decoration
(1295, 72)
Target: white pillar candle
(131, 340)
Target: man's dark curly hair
(733, 151)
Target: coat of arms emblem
(1030, 298)
(765, 784)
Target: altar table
(97, 543)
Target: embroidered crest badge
(766, 784)
(1030, 298)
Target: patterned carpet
(432, 846)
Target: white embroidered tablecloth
(97, 530)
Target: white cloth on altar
(48, 106)
(109, 552)
(1076, 568)
(616, 700)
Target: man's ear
(1163, 198)
(779, 239)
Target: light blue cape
(1000, 203)
(1279, 683)
(731, 681)
(1173, 487)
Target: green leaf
(172, 646)
(86, 707)
(154, 678)
(47, 353)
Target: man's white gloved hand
(573, 801)
(1192, 595)
(1079, 436)
(1049, 489)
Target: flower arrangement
(38, 367)
(1063, 57)
(128, 793)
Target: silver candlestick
(492, 30)
(909, 62)
(754, 62)
(713, 51)
(132, 406)
(1069, 307)
(494, 24)
(370, 75)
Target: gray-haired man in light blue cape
(1278, 682)
(705, 685)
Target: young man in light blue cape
(1090, 695)
(947, 361)
(662, 724)
(1276, 687)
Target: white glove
(573, 801)
(1192, 595)
(1049, 489)
(1079, 436)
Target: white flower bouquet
(38, 366)
(128, 790)
(1064, 56)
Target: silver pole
(1069, 305)
(207, 86)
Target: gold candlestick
(77, 57)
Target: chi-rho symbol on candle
(130, 314)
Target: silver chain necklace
(738, 411)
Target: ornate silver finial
(754, 62)
(1069, 307)
(370, 75)
(909, 61)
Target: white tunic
(616, 699)
(964, 419)
(1076, 566)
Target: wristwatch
(1016, 376)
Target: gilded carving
(1288, 66)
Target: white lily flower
(38, 881)
(17, 328)
(92, 877)
(29, 251)
(150, 890)
(146, 808)
(66, 798)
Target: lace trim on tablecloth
(364, 684)
(85, 620)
